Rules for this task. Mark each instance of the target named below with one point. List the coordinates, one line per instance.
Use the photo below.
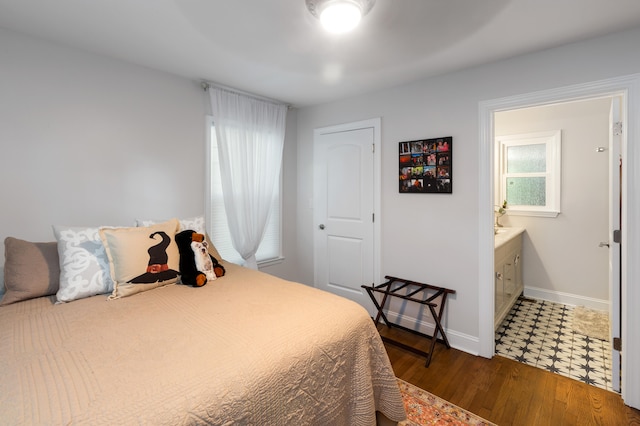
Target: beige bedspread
(246, 349)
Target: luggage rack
(431, 296)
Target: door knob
(321, 226)
(603, 244)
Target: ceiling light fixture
(339, 16)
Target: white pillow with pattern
(84, 266)
(194, 223)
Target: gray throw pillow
(30, 270)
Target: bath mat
(424, 408)
(591, 322)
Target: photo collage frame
(425, 165)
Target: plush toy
(197, 266)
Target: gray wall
(434, 238)
(86, 141)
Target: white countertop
(505, 234)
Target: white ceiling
(275, 48)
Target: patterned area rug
(424, 408)
(591, 323)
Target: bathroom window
(529, 169)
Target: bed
(247, 348)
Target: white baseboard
(457, 340)
(566, 298)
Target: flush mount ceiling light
(339, 16)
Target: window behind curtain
(270, 247)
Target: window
(529, 168)
(269, 250)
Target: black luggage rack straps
(429, 297)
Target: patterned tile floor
(538, 333)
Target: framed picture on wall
(425, 165)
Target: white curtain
(250, 135)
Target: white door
(346, 182)
(615, 173)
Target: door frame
(375, 124)
(615, 222)
(628, 87)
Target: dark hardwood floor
(506, 392)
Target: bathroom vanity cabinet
(507, 271)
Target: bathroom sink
(503, 235)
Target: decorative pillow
(84, 266)
(195, 224)
(30, 270)
(141, 258)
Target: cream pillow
(141, 258)
(84, 266)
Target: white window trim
(208, 199)
(553, 142)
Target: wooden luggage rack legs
(431, 296)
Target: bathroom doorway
(565, 257)
(628, 87)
